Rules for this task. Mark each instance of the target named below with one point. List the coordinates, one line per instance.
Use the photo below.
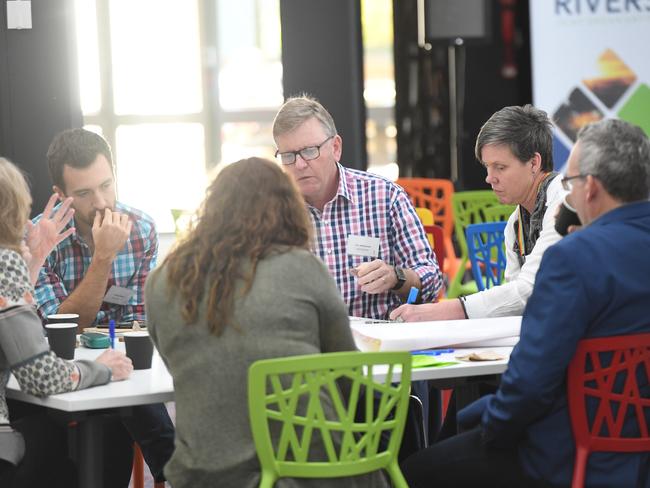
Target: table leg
(90, 459)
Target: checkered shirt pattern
(68, 263)
(369, 205)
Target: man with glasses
(592, 283)
(365, 229)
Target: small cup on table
(63, 318)
(62, 338)
(566, 217)
(139, 348)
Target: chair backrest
(434, 194)
(469, 208)
(611, 375)
(182, 220)
(498, 213)
(486, 249)
(304, 427)
(435, 234)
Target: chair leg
(267, 479)
(138, 467)
(396, 476)
(579, 467)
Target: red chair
(612, 384)
(137, 472)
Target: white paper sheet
(410, 336)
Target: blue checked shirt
(68, 263)
(369, 205)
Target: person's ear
(59, 192)
(593, 187)
(337, 147)
(536, 163)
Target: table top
(143, 387)
(155, 385)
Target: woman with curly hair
(241, 286)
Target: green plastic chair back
(469, 208)
(303, 427)
(498, 213)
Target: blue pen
(432, 352)
(111, 332)
(413, 295)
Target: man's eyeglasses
(306, 153)
(566, 181)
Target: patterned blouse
(24, 351)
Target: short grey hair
(618, 154)
(298, 110)
(525, 130)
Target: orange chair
(137, 472)
(605, 372)
(435, 194)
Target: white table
(145, 386)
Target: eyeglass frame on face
(566, 181)
(299, 152)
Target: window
(175, 97)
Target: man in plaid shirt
(365, 229)
(113, 245)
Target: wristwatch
(401, 278)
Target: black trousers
(48, 444)
(464, 461)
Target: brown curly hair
(251, 209)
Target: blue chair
(486, 252)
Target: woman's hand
(120, 365)
(43, 236)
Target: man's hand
(120, 366)
(375, 277)
(447, 310)
(43, 236)
(110, 234)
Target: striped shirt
(68, 263)
(369, 205)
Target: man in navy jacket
(593, 283)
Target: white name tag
(363, 246)
(118, 295)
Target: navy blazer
(593, 283)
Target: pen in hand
(111, 332)
(413, 296)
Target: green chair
(470, 208)
(303, 427)
(498, 213)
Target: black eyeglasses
(306, 153)
(566, 181)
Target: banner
(590, 60)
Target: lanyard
(520, 227)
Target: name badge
(363, 246)
(118, 295)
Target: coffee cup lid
(136, 333)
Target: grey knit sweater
(293, 308)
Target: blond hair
(298, 110)
(15, 205)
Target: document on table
(411, 336)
